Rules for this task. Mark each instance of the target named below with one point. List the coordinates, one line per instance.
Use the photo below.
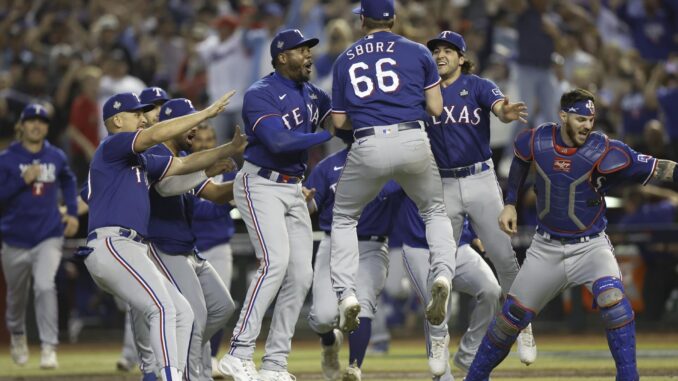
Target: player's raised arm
(204, 159)
(508, 112)
(170, 128)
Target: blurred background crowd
(71, 55)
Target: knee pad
(615, 308)
(508, 324)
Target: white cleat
(272, 375)
(330, 358)
(124, 365)
(352, 373)
(527, 347)
(439, 358)
(436, 311)
(216, 374)
(239, 369)
(19, 349)
(349, 308)
(48, 357)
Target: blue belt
(123, 232)
(279, 177)
(369, 131)
(372, 238)
(460, 172)
(564, 240)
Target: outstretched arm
(204, 159)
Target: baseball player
(472, 276)
(213, 229)
(575, 168)
(387, 86)
(281, 112)
(373, 229)
(460, 141)
(119, 212)
(172, 247)
(155, 96)
(32, 173)
(135, 349)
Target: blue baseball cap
(175, 108)
(150, 95)
(124, 102)
(290, 39)
(453, 38)
(376, 9)
(34, 111)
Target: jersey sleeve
(622, 164)
(257, 106)
(338, 86)
(11, 184)
(119, 146)
(432, 78)
(156, 166)
(324, 106)
(69, 188)
(522, 146)
(488, 93)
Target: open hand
(514, 111)
(217, 107)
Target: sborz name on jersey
(370, 47)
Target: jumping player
(472, 276)
(32, 173)
(119, 212)
(375, 225)
(575, 168)
(460, 141)
(281, 112)
(387, 86)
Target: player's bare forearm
(199, 161)
(170, 128)
(339, 121)
(218, 193)
(665, 171)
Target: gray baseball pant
(40, 262)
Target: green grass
(560, 358)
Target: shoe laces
(249, 367)
(437, 348)
(527, 339)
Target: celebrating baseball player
(172, 246)
(472, 276)
(117, 195)
(460, 141)
(575, 167)
(387, 86)
(281, 112)
(374, 227)
(32, 173)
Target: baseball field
(560, 358)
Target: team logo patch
(572, 109)
(497, 92)
(313, 96)
(644, 158)
(562, 165)
(168, 111)
(281, 44)
(591, 107)
(463, 93)
(117, 105)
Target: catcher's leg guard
(500, 336)
(617, 314)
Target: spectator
(653, 27)
(83, 123)
(661, 92)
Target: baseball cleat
(272, 375)
(352, 373)
(48, 358)
(239, 369)
(19, 349)
(330, 358)
(527, 347)
(437, 307)
(216, 374)
(123, 365)
(438, 359)
(349, 308)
